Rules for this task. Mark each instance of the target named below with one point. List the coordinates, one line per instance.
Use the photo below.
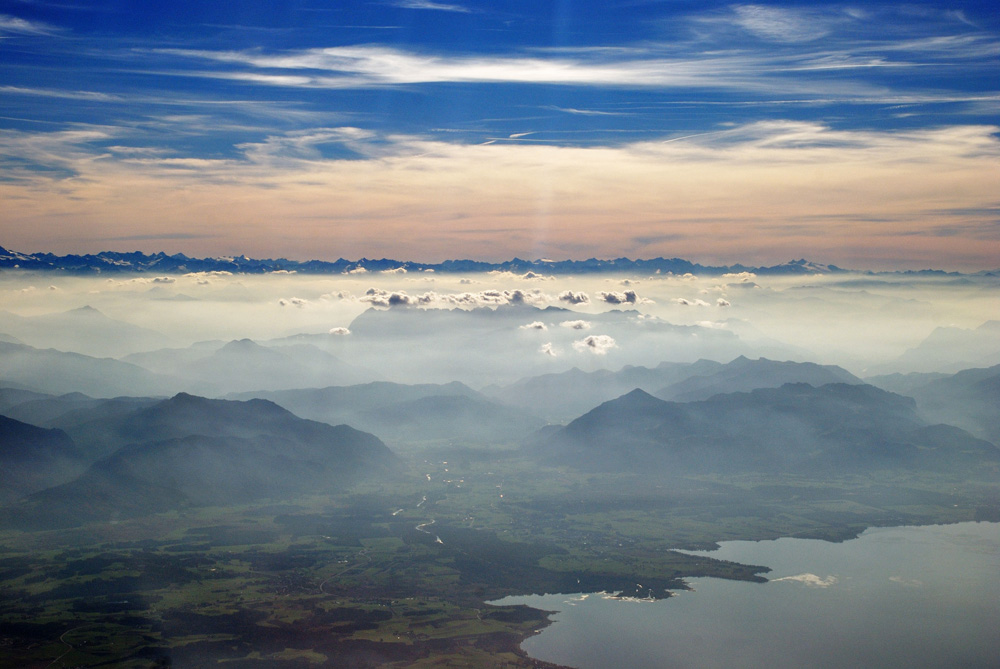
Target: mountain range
(115, 262)
(71, 458)
(796, 428)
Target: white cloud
(378, 297)
(527, 276)
(627, 297)
(293, 301)
(486, 298)
(548, 349)
(576, 325)
(395, 270)
(596, 344)
(143, 281)
(574, 297)
(207, 275)
(356, 270)
(722, 302)
(740, 276)
(690, 303)
(537, 325)
(340, 331)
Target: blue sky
(427, 130)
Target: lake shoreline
(974, 544)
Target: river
(903, 596)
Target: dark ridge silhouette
(33, 458)
(190, 451)
(794, 428)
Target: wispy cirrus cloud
(584, 112)
(12, 25)
(61, 94)
(780, 24)
(373, 65)
(30, 156)
(157, 112)
(433, 6)
(761, 71)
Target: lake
(902, 596)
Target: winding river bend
(904, 596)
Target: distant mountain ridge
(557, 396)
(84, 330)
(116, 262)
(837, 427)
(244, 365)
(59, 372)
(744, 374)
(400, 413)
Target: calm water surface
(894, 597)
